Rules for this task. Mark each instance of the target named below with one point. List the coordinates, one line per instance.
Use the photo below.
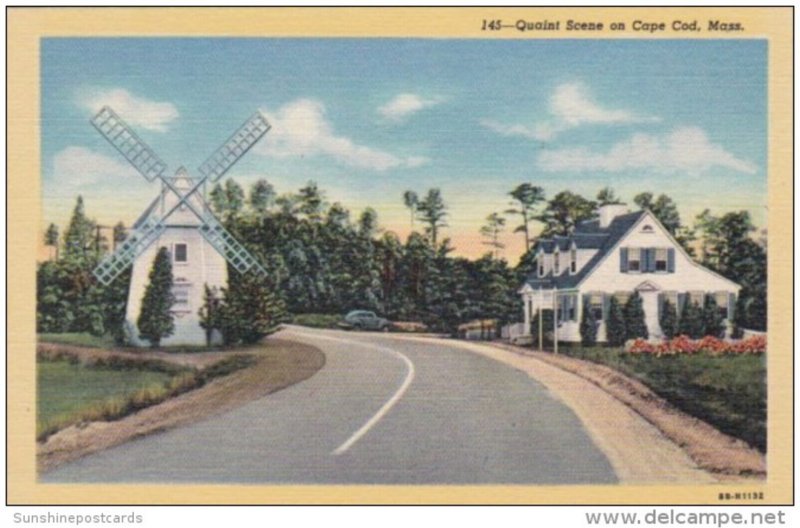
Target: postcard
(400, 256)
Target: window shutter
(623, 260)
(660, 305)
(671, 260)
(574, 301)
(651, 260)
(606, 304)
(731, 306)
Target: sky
(368, 119)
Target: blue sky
(370, 118)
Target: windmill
(180, 220)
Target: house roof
(587, 235)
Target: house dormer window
(540, 264)
(634, 259)
(556, 263)
(573, 260)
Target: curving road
(384, 409)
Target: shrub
(691, 322)
(709, 345)
(156, 321)
(615, 324)
(669, 320)
(713, 324)
(635, 326)
(588, 326)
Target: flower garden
(708, 345)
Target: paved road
(383, 410)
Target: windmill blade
(127, 143)
(230, 248)
(111, 266)
(237, 145)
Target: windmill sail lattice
(148, 164)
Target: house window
(647, 229)
(556, 263)
(672, 297)
(596, 305)
(661, 259)
(180, 253)
(180, 291)
(634, 259)
(573, 260)
(540, 261)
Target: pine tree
(635, 326)
(156, 319)
(211, 312)
(251, 309)
(588, 326)
(615, 324)
(79, 237)
(691, 322)
(51, 238)
(712, 320)
(669, 320)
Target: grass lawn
(79, 339)
(64, 390)
(729, 392)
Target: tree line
(319, 259)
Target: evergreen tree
(669, 320)
(527, 198)
(119, 234)
(663, 208)
(156, 320)
(250, 309)
(635, 326)
(51, 238)
(410, 200)
(432, 211)
(79, 237)
(491, 232)
(588, 326)
(211, 312)
(691, 321)
(565, 211)
(713, 324)
(262, 196)
(606, 196)
(368, 223)
(615, 324)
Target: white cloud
(686, 149)
(81, 168)
(570, 106)
(136, 111)
(404, 105)
(301, 128)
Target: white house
(613, 256)
(195, 263)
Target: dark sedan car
(364, 320)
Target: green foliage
(606, 196)
(729, 392)
(565, 211)
(410, 200)
(156, 320)
(635, 326)
(79, 238)
(250, 309)
(491, 232)
(210, 312)
(615, 323)
(317, 320)
(663, 208)
(691, 321)
(262, 196)
(527, 198)
(669, 320)
(432, 211)
(588, 326)
(713, 323)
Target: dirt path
(281, 364)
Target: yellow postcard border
(26, 26)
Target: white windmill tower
(180, 220)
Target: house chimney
(608, 212)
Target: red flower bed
(710, 345)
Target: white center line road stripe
(355, 437)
